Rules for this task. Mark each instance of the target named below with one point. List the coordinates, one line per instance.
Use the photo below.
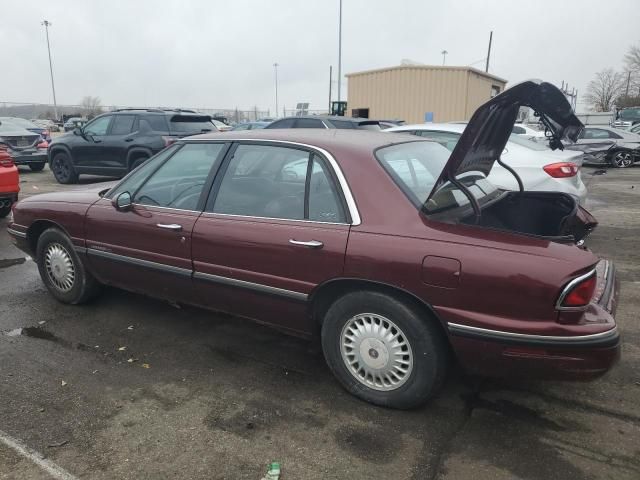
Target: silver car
(609, 146)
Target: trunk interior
(552, 215)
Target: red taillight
(562, 169)
(579, 293)
(5, 158)
(43, 144)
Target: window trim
(345, 195)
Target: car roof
(328, 139)
(330, 117)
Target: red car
(9, 182)
(397, 255)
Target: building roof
(428, 67)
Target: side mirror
(78, 131)
(122, 202)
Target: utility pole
(330, 75)
(444, 56)
(46, 24)
(486, 68)
(340, 50)
(626, 93)
(275, 66)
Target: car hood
(86, 195)
(488, 131)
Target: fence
(44, 110)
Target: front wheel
(62, 271)
(622, 159)
(63, 168)
(383, 350)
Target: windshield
(630, 113)
(191, 124)
(527, 143)
(414, 166)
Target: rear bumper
(26, 159)
(574, 355)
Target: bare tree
(91, 106)
(604, 89)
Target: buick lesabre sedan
(399, 256)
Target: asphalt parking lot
(130, 387)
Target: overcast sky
(220, 53)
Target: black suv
(115, 143)
(325, 121)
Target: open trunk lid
(488, 131)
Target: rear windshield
(414, 166)
(191, 124)
(369, 126)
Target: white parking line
(48, 466)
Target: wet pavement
(130, 387)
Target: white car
(539, 168)
(528, 132)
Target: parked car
(27, 125)
(395, 252)
(250, 126)
(9, 182)
(221, 126)
(25, 147)
(325, 121)
(73, 123)
(527, 132)
(46, 124)
(539, 168)
(627, 117)
(117, 142)
(610, 146)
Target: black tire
(54, 249)
(4, 211)
(622, 159)
(137, 162)
(62, 168)
(426, 345)
(36, 167)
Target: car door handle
(128, 139)
(309, 244)
(170, 226)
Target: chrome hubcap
(376, 352)
(623, 159)
(59, 267)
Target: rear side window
(278, 182)
(191, 124)
(309, 123)
(342, 124)
(369, 126)
(122, 124)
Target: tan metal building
(410, 92)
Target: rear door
(117, 141)
(148, 248)
(274, 227)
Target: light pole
(275, 67)
(339, 50)
(46, 24)
(444, 56)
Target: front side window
(178, 183)
(99, 126)
(122, 124)
(278, 182)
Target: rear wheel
(36, 167)
(622, 159)
(62, 271)
(63, 169)
(383, 350)
(4, 211)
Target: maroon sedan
(397, 255)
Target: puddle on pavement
(42, 334)
(10, 262)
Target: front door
(87, 149)
(147, 248)
(274, 227)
